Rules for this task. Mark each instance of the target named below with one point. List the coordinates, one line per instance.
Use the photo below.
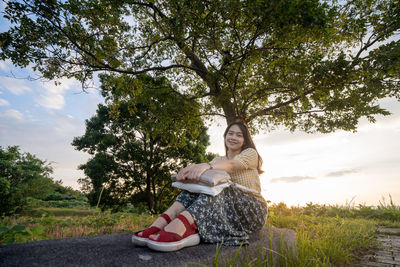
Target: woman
(228, 217)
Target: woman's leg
(176, 226)
(185, 199)
(228, 217)
(172, 212)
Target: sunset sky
(299, 168)
(330, 168)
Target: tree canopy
(304, 64)
(137, 142)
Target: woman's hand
(192, 172)
(182, 174)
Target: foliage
(66, 192)
(65, 211)
(55, 196)
(23, 228)
(22, 175)
(21, 234)
(60, 203)
(385, 211)
(25, 178)
(138, 142)
(331, 235)
(320, 241)
(309, 64)
(333, 241)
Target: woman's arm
(193, 172)
(229, 165)
(247, 159)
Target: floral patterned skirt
(228, 217)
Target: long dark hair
(248, 141)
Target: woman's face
(234, 138)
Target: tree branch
(149, 47)
(211, 114)
(152, 6)
(259, 94)
(377, 39)
(279, 105)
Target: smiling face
(234, 139)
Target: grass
(320, 241)
(60, 212)
(61, 223)
(326, 235)
(323, 241)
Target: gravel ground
(117, 250)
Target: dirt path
(389, 253)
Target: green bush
(20, 234)
(55, 196)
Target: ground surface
(117, 250)
(389, 253)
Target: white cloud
(291, 179)
(281, 137)
(53, 96)
(3, 66)
(4, 102)
(340, 173)
(388, 123)
(13, 114)
(66, 125)
(15, 86)
(7, 65)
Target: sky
(343, 168)
(338, 168)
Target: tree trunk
(229, 111)
(149, 197)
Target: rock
(117, 250)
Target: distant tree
(137, 142)
(22, 175)
(304, 64)
(61, 192)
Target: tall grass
(320, 241)
(386, 212)
(325, 241)
(76, 226)
(326, 235)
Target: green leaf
(18, 229)
(38, 230)
(8, 240)
(3, 230)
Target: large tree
(137, 142)
(307, 64)
(22, 175)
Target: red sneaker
(142, 240)
(168, 241)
